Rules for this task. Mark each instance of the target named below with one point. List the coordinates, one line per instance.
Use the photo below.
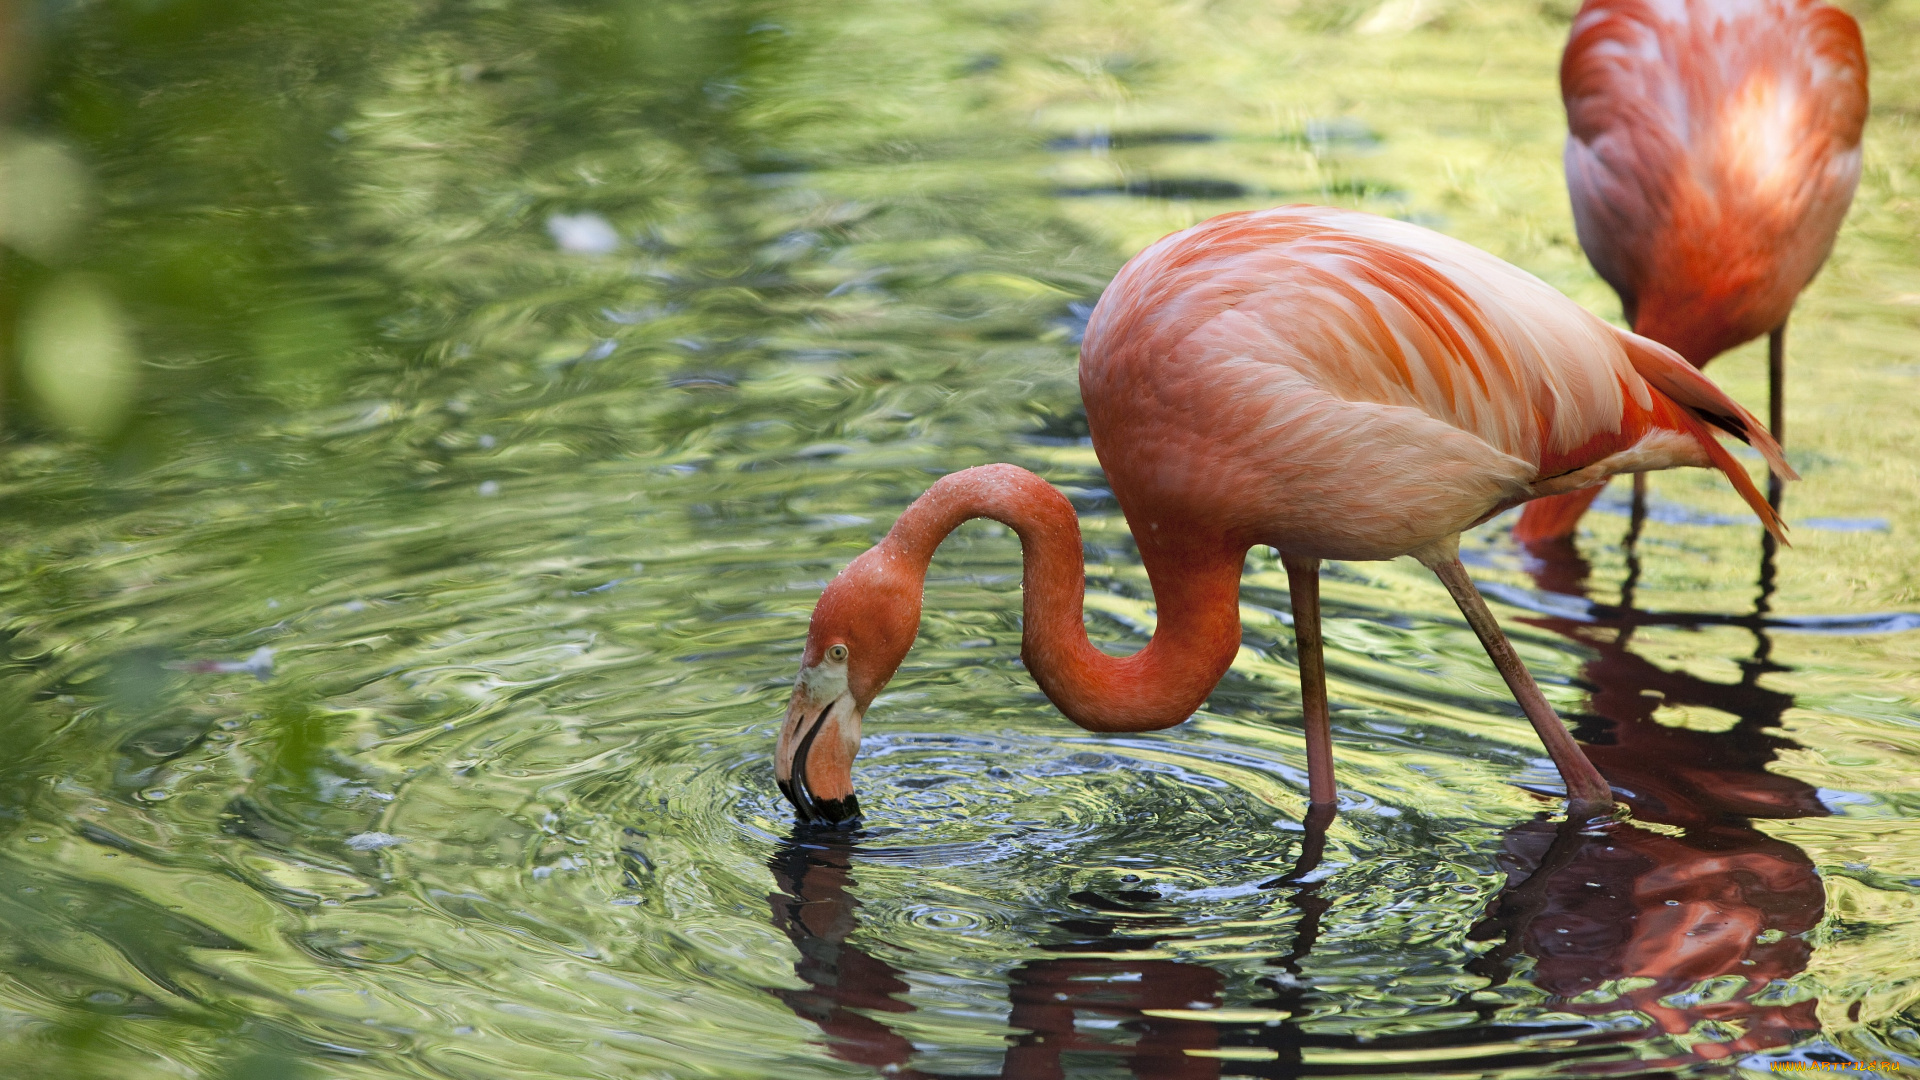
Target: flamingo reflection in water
(817, 911)
(1720, 907)
(1682, 944)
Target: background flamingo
(1713, 147)
(1329, 383)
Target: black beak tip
(837, 813)
(821, 813)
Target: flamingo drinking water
(1329, 383)
(1713, 148)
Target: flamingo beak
(813, 762)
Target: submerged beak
(814, 760)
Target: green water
(429, 427)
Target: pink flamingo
(1329, 383)
(1713, 148)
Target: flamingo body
(1330, 383)
(1343, 386)
(1713, 148)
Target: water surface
(453, 411)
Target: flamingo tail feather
(1666, 372)
(1702, 404)
(1737, 473)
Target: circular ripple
(933, 918)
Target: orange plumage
(1344, 386)
(1713, 148)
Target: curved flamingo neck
(1196, 587)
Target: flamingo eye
(837, 653)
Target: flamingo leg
(1303, 585)
(1776, 403)
(1587, 792)
(1777, 384)
(1631, 545)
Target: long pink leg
(1303, 585)
(1587, 792)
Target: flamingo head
(862, 627)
